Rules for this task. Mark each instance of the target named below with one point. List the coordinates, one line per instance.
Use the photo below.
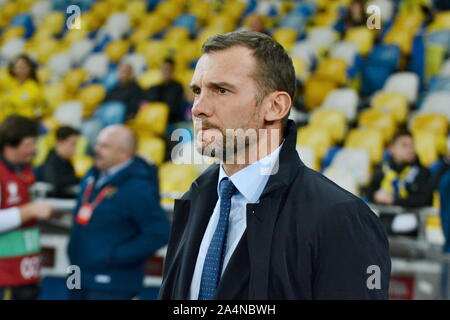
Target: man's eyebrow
(215, 85)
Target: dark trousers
(86, 294)
(26, 292)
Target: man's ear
(279, 106)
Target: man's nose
(202, 106)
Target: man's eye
(196, 90)
(222, 90)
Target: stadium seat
(429, 122)
(54, 95)
(345, 100)
(175, 180)
(91, 96)
(286, 37)
(96, 65)
(151, 119)
(406, 83)
(60, 64)
(391, 102)
(316, 90)
(437, 102)
(332, 69)
(308, 157)
(378, 120)
(151, 148)
(370, 140)
(428, 146)
(356, 162)
(69, 113)
(304, 50)
(331, 120)
(342, 179)
(81, 164)
(344, 50)
(301, 68)
(111, 112)
(322, 37)
(45, 144)
(117, 49)
(362, 37)
(316, 138)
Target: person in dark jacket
(127, 91)
(118, 222)
(402, 180)
(57, 168)
(260, 224)
(169, 91)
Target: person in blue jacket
(118, 220)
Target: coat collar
(260, 224)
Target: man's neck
(266, 144)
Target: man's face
(67, 147)
(125, 73)
(108, 152)
(403, 150)
(225, 97)
(24, 152)
(21, 69)
(167, 71)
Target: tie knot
(227, 189)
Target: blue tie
(212, 267)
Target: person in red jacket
(19, 235)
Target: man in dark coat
(57, 168)
(264, 226)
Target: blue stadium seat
(187, 21)
(386, 56)
(111, 112)
(25, 21)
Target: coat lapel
(203, 200)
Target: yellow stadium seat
(434, 58)
(169, 9)
(117, 49)
(400, 37)
(440, 22)
(330, 120)
(201, 9)
(152, 149)
(81, 165)
(150, 78)
(82, 146)
(74, 35)
(301, 68)
(136, 10)
(12, 32)
(54, 22)
(154, 23)
(362, 37)
(434, 123)
(427, 146)
(91, 96)
(391, 102)
(316, 91)
(379, 120)
(174, 180)
(9, 10)
(100, 11)
(325, 19)
(177, 34)
(316, 138)
(73, 79)
(370, 140)
(44, 145)
(286, 37)
(54, 95)
(333, 69)
(221, 21)
(45, 48)
(154, 51)
(151, 119)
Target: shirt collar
(113, 170)
(251, 180)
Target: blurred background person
(170, 91)
(402, 180)
(18, 216)
(127, 91)
(119, 222)
(57, 168)
(22, 92)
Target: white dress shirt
(250, 183)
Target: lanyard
(101, 195)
